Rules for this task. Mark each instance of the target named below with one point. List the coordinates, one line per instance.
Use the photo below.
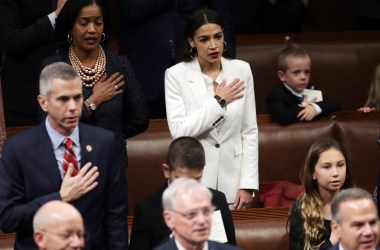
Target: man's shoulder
(91, 129)
(167, 245)
(222, 246)
(28, 135)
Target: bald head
(58, 225)
(54, 211)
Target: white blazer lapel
(229, 73)
(197, 84)
(198, 89)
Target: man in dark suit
(186, 158)
(27, 37)
(33, 168)
(188, 213)
(153, 37)
(355, 222)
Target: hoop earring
(192, 51)
(103, 38)
(225, 46)
(69, 38)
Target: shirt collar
(57, 138)
(180, 247)
(292, 91)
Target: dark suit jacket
(29, 177)
(282, 105)
(153, 36)
(336, 247)
(27, 39)
(149, 228)
(212, 245)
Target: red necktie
(69, 157)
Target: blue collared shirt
(58, 147)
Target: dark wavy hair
(194, 21)
(66, 18)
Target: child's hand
(308, 113)
(307, 101)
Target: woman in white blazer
(212, 99)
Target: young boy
(289, 101)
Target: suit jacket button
(171, 42)
(217, 145)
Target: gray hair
(182, 185)
(57, 70)
(350, 194)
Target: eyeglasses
(68, 236)
(192, 214)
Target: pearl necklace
(89, 75)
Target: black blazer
(27, 38)
(149, 228)
(29, 177)
(282, 105)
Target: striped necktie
(69, 157)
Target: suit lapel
(198, 88)
(293, 99)
(48, 161)
(197, 84)
(86, 145)
(229, 73)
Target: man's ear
(335, 230)
(166, 170)
(281, 75)
(38, 238)
(42, 101)
(168, 218)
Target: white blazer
(231, 153)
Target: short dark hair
(196, 20)
(293, 50)
(350, 194)
(66, 18)
(186, 152)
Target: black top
(297, 233)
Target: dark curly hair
(66, 18)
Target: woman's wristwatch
(91, 105)
(220, 100)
